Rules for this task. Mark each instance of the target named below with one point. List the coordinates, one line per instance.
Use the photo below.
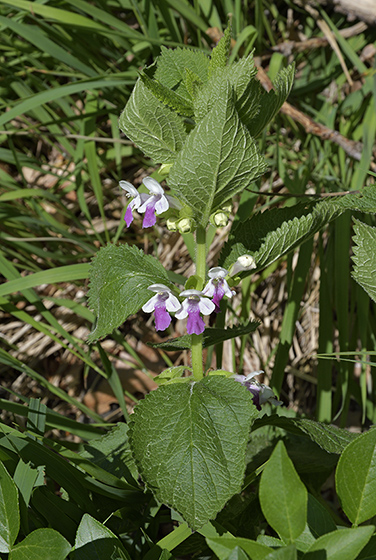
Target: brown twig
(352, 148)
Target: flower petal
(129, 188)
(206, 306)
(150, 305)
(128, 215)
(162, 318)
(150, 217)
(183, 311)
(153, 186)
(172, 303)
(161, 205)
(195, 324)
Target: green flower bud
(219, 219)
(185, 225)
(165, 169)
(172, 224)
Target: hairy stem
(198, 371)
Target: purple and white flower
(261, 393)
(195, 305)
(152, 204)
(163, 303)
(217, 287)
(134, 204)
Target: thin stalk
(197, 366)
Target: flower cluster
(261, 393)
(195, 304)
(156, 202)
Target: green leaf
(41, 544)
(189, 442)
(269, 235)
(330, 438)
(219, 160)
(284, 553)
(153, 127)
(168, 96)
(364, 257)
(283, 497)
(9, 512)
(220, 53)
(319, 522)
(95, 542)
(356, 478)
(343, 544)
(119, 280)
(221, 546)
(272, 101)
(112, 453)
(211, 336)
(172, 68)
(237, 554)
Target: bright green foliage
(189, 443)
(168, 97)
(41, 544)
(94, 541)
(356, 478)
(365, 257)
(152, 126)
(219, 160)
(119, 282)
(272, 101)
(172, 68)
(223, 545)
(9, 512)
(283, 497)
(343, 544)
(285, 553)
(211, 335)
(269, 235)
(220, 53)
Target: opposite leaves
(189, 441)
(219, 160)
(119, 281)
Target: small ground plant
(185, 461)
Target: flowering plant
(199, 118)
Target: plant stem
(198, 371)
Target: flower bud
(219, 219)
(172, 224)
(185, 225)
(243, 263)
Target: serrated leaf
(356, 478)
(168, 96)
(272, 101)
(330, 438)
(220, 53)
(189, 442)
(283, 496)
(219, 160)
(364, 257)
(9, 511)
(211, 336)
(153, 127)
(224, 545)
(247, 90)
(269, 235)
(94, 541)
(119, 280)
(344, 544)
(172, 65)
(41, 544)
